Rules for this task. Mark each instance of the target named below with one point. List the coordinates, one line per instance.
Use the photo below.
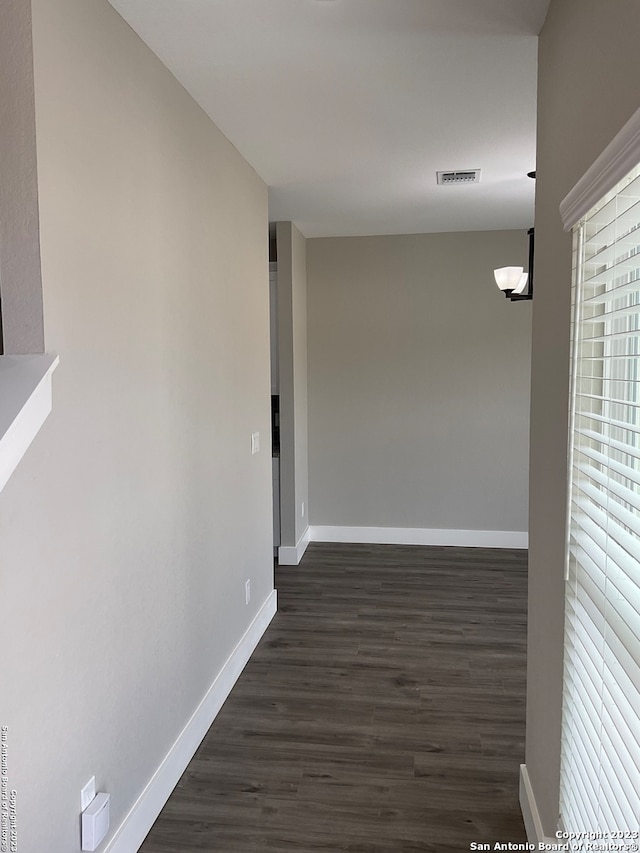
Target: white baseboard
(421, 536)
(530, 813)
(290, 555)
(26, 400)
(136, 825)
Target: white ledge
(617, 160)
(25, 402)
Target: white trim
(290, 555)
(617, 160)
(530, 813)
(421, 536)
(136, 825)
(25, 403)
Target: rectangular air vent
(466, 176)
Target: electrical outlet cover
(95, 822)
(88, 793)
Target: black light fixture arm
(528, 294)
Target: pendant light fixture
(515, 282)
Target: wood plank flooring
(383, 712)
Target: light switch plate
(255, 443)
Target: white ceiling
(347, 108)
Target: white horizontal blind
(600, 769)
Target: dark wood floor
(383, 712)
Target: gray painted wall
(292, 354)
(418, 382)
(588, 50)
(131, 525)
(20, 281)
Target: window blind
(600, 761)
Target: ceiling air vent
(466, 176)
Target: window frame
(619, 376)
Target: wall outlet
(247, 592)
(95, 822)
(255, 443)
(88, 793)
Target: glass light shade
(522, 285)
(509, 278)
